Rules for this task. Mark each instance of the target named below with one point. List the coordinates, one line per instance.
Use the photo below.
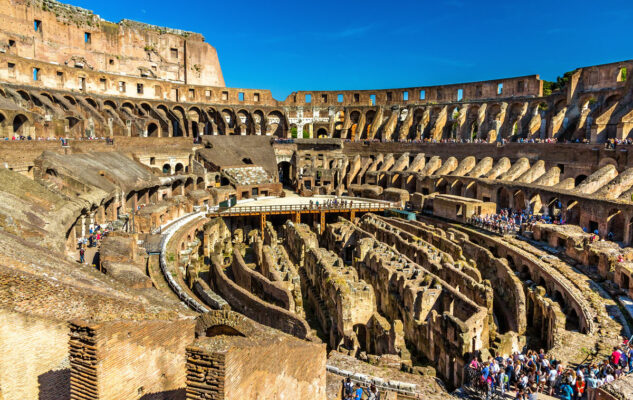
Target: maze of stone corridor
(165, 237)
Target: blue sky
(348, 44)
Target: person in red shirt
(579, 388)
(615, 356)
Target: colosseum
(165, 237)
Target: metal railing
(349, 206)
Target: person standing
(358, 393)
(82, 255)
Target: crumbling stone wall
(236, 358)
(143, 357)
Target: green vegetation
(559, 85)
(293, 131)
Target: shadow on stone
(54, 385)
(178, 394)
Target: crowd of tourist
(353, 391)
(531, 373)
(95, 234)
(55, 139)
(506, 221)
(331, 203)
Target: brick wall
(142, 357)
(278, 371)
(33, 357)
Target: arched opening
(503, 198)
(471, 190)
(442, 186)
(284, 169)
(457, 188)
(322, 133)
(152, 130)
(519, 200)
(554, 208)
(74, 128)
(572, 321)
(525, 273)
(579, 179)
(339, 120)
(573, 212)
(200, 183)
(189, 185)
(179, 169)
(92, 103)
(615, 225)
(222, 330)
(176, 188)
(276, 125)
(167, 169)
(20, 125)
(354, 118)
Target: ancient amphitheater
(236, 246)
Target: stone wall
(236, 358)
(259, 285)
(34, 362)
(244, 302)
(142, 357)
(76, 38)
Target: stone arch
(92, 103)
(457, 187)
(354, 118)
(572, 212)
(244, 122)
(153, 130)
(616, 224)
(441, 186)
(24, 95)
(471, 190)
(71, 99)
(525, 273)
(339, 121)
(276, 124)
(259, 122)
(514, 120)
(110, 104)
(48, 96)
(579, 179)
(189, 184)
(285, 173)
(322, 133)
(21, 125)
(554, 207)
(74, 128)
(228, 116)
(503, 198)
(179, 168)
(167, 169)
(179, 121)
(519, 200)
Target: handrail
(303, 207)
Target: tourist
(579, 388)
(348, 389)
(82, 254)
(566, 391)
(373, 393)
(592, 385)
(358, 392)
